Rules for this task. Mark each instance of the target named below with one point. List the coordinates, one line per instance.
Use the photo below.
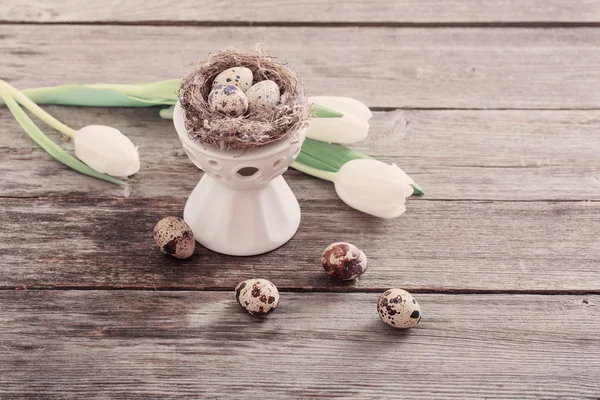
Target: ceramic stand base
(242, 206)
(242, 222)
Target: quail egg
(229, 100)
(344, 261)
(263, 94)
(258, 296)
(240, 77)
(397, 308)
(174, 237)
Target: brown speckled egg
(344, 261)
(241, 77)
(258, 296)
(264, 94)
(174, 237)
(397, 308)
(229, 100)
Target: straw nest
(255, 129)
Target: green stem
(52, 148)
(167, 113)
(319, 173)
(38, 111)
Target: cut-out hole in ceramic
(278, 163)
(214, 164)
(247, 172)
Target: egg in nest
(240, 77)
(229, 100)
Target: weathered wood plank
(385, 67)
(436, 245)
(406, 11)
(497, 155)
(123, 345)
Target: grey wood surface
(123, 345)
(385, 67)
(492, 107)
(453, 154)
(80, 242)
(315, 11)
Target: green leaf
(312, 162)
(156, 93)
(108, 95)
(329, 157)
(319, 111)
(52, 148)
(331, 154)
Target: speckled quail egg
(262, 95)
(344, 261)
(258, 296)
(398, 308)
(229, 100)
(240, 77)
(174, 237)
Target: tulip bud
(374, 187)
(352, 127)
(106, 150)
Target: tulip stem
(319, 173)
(38, 111)
(167, 113)
(52, 148)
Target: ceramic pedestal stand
(242, 206)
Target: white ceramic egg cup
(242, 206)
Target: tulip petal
(375, 179)
(107, 150)
(373, 187)
(345, 105)
(371, 206)
(346, 129)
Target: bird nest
(258, 127)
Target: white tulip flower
(106, 150)
(352, 127)
(373, 187)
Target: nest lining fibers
(256, 128)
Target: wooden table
(492, 107)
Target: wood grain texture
(124, 345)
(446, 246)
(281, 11)
(384, 67)
(485, 155)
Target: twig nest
(399, 309)
(259, 297)
(264, 94)
(229, 100)
(344, 261)
(240, 77)
(284, 112)
(174, 237)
